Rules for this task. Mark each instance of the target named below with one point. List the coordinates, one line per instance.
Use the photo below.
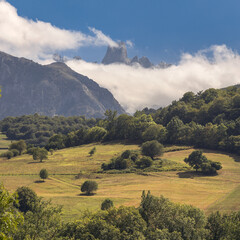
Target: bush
(8, 154)
(152, 149)
(106, 204)
(15, 152)
(144, 162)
(126, 154)
(89, 186)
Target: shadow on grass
(192, 174)
(85, 194)
(34, 162)
(39, 181)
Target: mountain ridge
(54, 89)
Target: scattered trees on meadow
(89, 187)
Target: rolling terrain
(209, 193)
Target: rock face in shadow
(55, 89)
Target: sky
(201, 38)
(159, 29)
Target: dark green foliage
(92, 151)
(27, 199)
(182, 220)
(144, 162)
(8, 154)
(114, 224)
(37, 130)
(124, 161)
(40, 154)
(198, 161)
(224, 226)
(89, 187)
(106, 204)
(43, 174)
(126, 154)
(43, 222)
(152, 149)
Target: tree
(10, 217)
(155, 132)
(19, 145)
(89, 187)
(43, 174)
(152, 149)
(92, 151)
(27, 199)
(106, 204)
(196, 159)
(40, 153)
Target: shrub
(126, 154)
(106, 204)
(15, 152)
(144, 162)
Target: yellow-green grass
(209, 193)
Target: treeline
(30, 217)
(209, 119)
(36, 129)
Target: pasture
(210, 193)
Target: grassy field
(209, 193)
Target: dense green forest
(209, 119)
(24, 215)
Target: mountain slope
(55, 89)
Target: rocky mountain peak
(116, 54)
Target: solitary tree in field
(43, 174)
(40, 153)
(89, 187)
(152, 149)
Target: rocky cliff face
(119, 55)
(55, 89)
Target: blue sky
(159, 29)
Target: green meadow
(69, 168)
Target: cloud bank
(38, 40)
(136, 87)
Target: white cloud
(39, 40)
(136, 87)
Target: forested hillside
(209, 119)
